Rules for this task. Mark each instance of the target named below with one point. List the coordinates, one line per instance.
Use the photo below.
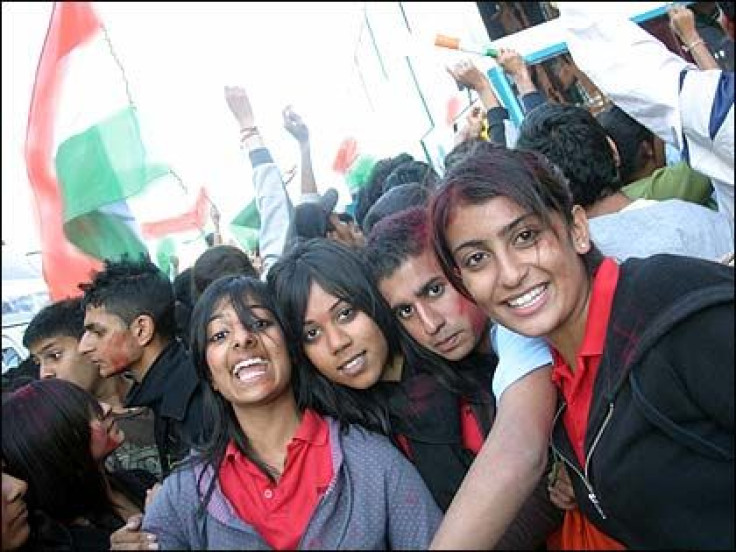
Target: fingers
(561, 500)
(130, 537)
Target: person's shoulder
(359, 441)
(676, 276)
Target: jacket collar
(168, 385)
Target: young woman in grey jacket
(275, 475)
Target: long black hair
(218, 413)
(46, 442)
(342, 272)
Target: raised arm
(272, 200)
(467, 74)
(515, 66)
(682, 23)
(295, 126)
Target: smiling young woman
(275, 472)
(639, 386)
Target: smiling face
(108, 342)
(343, 343)
(59, 357)
(14, 512)
(434, 313)
(249, 364)
(105, 435)
(526, 276)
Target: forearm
(524, 83)
(701, 54)
(492, 493)
(507, 469)
(309, 185)
(488, 97)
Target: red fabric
(64, 265)
(470, 427)
(577, 387)
(280, 512)
(347, 153)
(405, 446)
(192, 220)
(577, 533)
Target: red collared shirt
(472, 434)
(281, 511)
(470, 428)
(577, 387)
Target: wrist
(248, 132)
(688, 45)
(251, 141)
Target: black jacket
(172, 389)
(48, 534)
(660, 438)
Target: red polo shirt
(577, 387)
(281, 511)
(577, 533)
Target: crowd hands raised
(533, 350)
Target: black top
(171, 388)
(50, 534)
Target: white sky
(178, 58)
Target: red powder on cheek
(118, 351)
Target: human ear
(580, 231)
(143, 329)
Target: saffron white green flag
(87, 163)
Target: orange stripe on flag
(192, 220)
(64, 266)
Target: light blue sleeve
(165, 516)
(517, 356)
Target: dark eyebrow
(332, 308)
(505, 231)
(47, 347)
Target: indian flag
(86, 159)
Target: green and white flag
(87, 163)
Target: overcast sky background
(178, 58)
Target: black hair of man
(63, 318)
(571, 138)
(628, 135)
(217, 261)
(373, 187)
(395, 239)
(459, 152)
(129, 288)
(396, 200)
(411, 172)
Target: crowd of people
(531, 350)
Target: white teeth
(527, 299)
(247, 364)
(354, 365)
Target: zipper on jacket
(584, 475)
